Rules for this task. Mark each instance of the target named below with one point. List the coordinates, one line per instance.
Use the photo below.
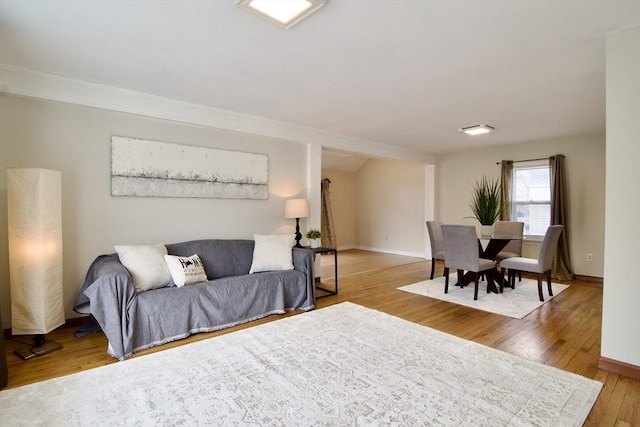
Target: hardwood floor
(564, 333)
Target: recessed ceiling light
(285, 13)
(477, 129)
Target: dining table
(493, 276)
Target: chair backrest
(461, 248)
(510, 228)
(549, 247)
(435, 237)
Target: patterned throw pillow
(185, 270)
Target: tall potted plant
(486, 205)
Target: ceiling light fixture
(284, 13)
(477, 129)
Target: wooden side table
(321, 251)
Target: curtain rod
(529, 160)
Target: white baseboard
(392, 252)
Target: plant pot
(486, 230)
(314, 243)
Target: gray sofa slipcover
(135, 321)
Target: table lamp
(296, 208)
(34, 213)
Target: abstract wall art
(159, 169)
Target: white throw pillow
(185, 270)
(146, 265)
(272, 253)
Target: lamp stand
(39, 347)
(298, 234)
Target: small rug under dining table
(344, 365)
(516, 303)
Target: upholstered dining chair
(514, 247)
(437, 244)
(509, 228)
(540, 266)
(462, 252)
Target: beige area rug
(343, 365)
(516, 303)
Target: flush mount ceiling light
(284, 13)
(477, 129)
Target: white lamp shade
(296, 208)
(34, 210)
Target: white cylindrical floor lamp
(34, 208)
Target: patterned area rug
(516, 303)
(342, 365)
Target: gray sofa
(135, 321)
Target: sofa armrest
(109, 295)
(102, 265)
(304, 261)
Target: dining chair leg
(501, 280)
(549, 283)
(475, 292)
(540, 287)
(460, 276)
(512, 280)
(491, 282)
(446, 280)
(519, 276)
(433, 268)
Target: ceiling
(405, 73)
(340, 160)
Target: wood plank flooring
(564, 333)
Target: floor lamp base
(38, 348)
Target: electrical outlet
(589, 257)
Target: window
(531, 198)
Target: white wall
(76, 140)
(621, 301)
(343, 202)
(390, 206)
(585, 167)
